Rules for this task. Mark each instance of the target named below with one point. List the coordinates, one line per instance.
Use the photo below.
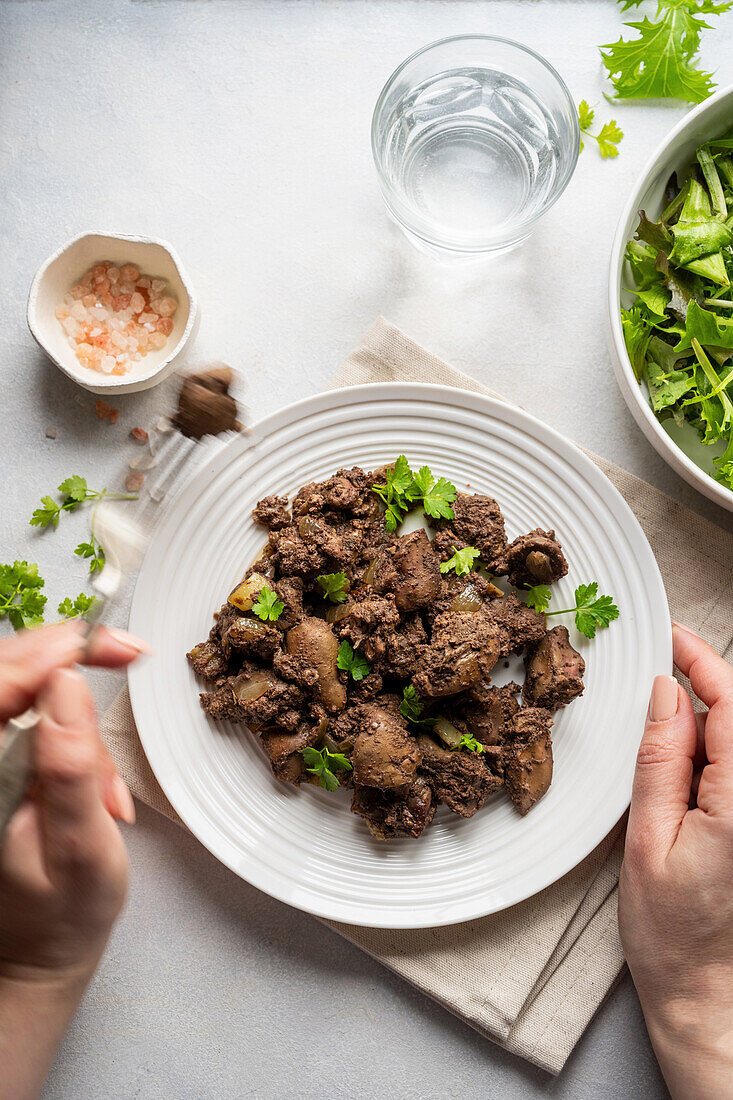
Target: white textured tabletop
(239, 131)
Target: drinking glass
(474, 137)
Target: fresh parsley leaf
(470, 743)
(607, 138)
(20, 596)
(539, 596)
(334, 586)
(411, 706)
(73, 609)
(74, 491)
(437, 496)
(586, 115)
(660, 61)
(461, 561)
(353, 662)
(94, 551)
(592, 612)
(267, 606)
(48, 513)
(322, 762)
(397, 493)
(74, 488)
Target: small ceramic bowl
(65, 267)
(680, 447)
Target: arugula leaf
(660, 61)
(322, 762)
(539, 596)
(609, 136)
(73, 609)
(353, 662)
(592, 612)
(469, 742)
(461, 561)
(707, 328)
(267, 606)
(334, 586)
(20, 596)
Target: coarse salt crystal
(137, 303)
(158, 340)
(78, 312)
(113, 274)
(157, 285)
(107, 364)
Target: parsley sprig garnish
(20, 596)
(267, 606)
(609, 135)
(469, 742)
(74, 492)
(412, 707)
(352, 661)
(592, 612)
(403, 491)
(334, 586)
(461, 561)
(322, 762)
(75, 609)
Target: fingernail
(130, 641)
(664, 700)
(66, 703)
(125, 804)
(685, 629)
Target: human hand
(63, 864)
(676, 896)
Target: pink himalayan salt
(110, 320)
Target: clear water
(472, 151)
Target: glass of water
(474, 138)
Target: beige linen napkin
(532, 977)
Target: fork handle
(15, 763)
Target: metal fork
(123, 529)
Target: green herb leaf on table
(20, 596)
(592, 612)
(334, 586)
(469, 742)
(539, 596)
(607, 138)
(322, 763)
(461, 561)
(267, 606)
(74, 489)
(74, 609)
(94, 551)
(660, 61)
(352, 661)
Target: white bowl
(65, 267)
(686, 455)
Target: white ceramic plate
(304, 846)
